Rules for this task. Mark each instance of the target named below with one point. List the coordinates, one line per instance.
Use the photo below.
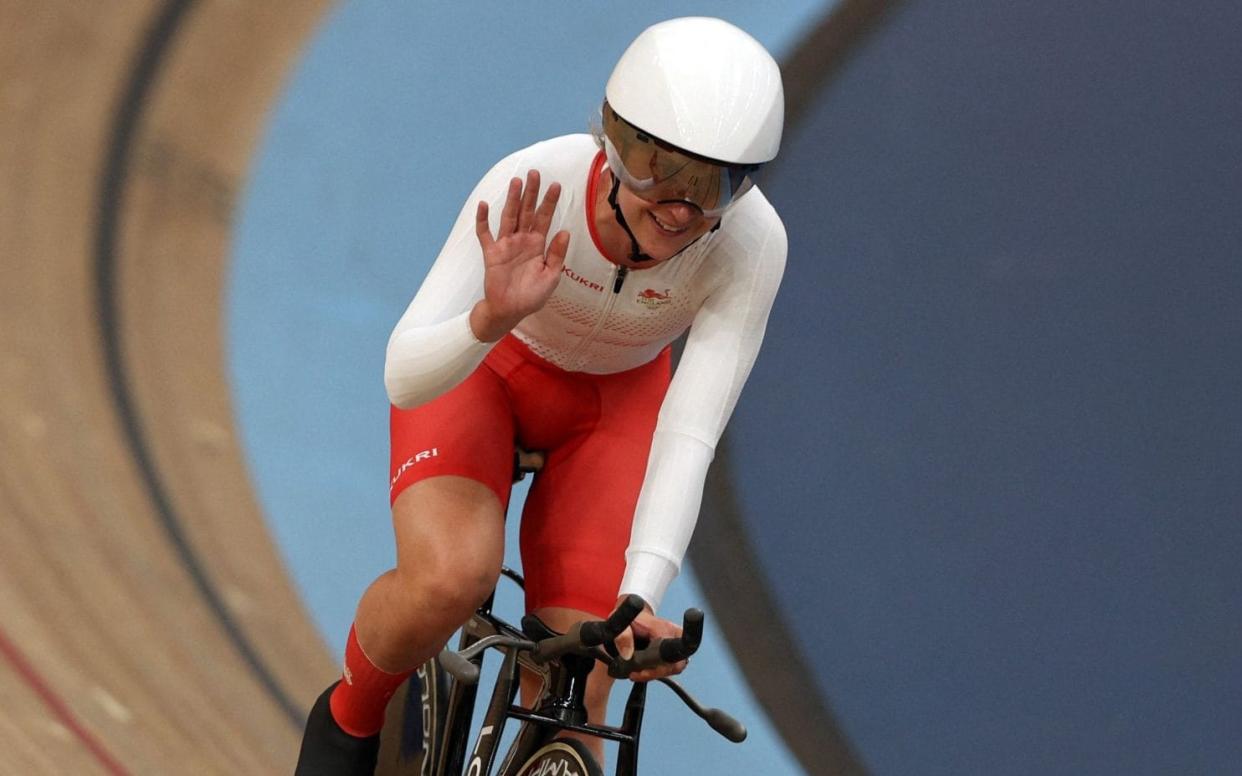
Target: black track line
(111, 207)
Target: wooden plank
(191, 152)
(91, 589)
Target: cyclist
(562, 345)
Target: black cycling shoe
(329, 751)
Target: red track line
(58, 707)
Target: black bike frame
(562, 697)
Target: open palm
(520, 267)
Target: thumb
(625, 643)
(641, 628)
(555, 256)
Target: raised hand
(520, 267)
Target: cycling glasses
(660, 173)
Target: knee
(451, 585)
(450, 544)
(461, 584)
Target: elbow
(398, 389)
(401, 401)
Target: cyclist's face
(660, 172)
(663, 229)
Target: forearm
(667, 511)
(424, 362)
(714, 366)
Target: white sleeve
(723, 344)
(432, 348)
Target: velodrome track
(145, 623)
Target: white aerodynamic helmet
(704, 86)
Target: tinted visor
(659, 172)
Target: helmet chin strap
(636, 254)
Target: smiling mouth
(671, 231)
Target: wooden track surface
(138, 582)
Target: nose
(679, 213)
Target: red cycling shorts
(596, 433)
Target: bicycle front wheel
(414, 724)
(568, 757)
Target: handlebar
(460, 666)
(661, 651)
(588, 634)
(586, 638)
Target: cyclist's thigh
(576, 525)
(451, 469)
(449, 527)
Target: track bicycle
(428, 732)
(439, 707)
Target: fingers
(530, 196)
(523, 212)
(625, 643)
(648, 626)
(659, 672)
(509, 216)
(542, 220)
(555, 257)
(482, 228)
